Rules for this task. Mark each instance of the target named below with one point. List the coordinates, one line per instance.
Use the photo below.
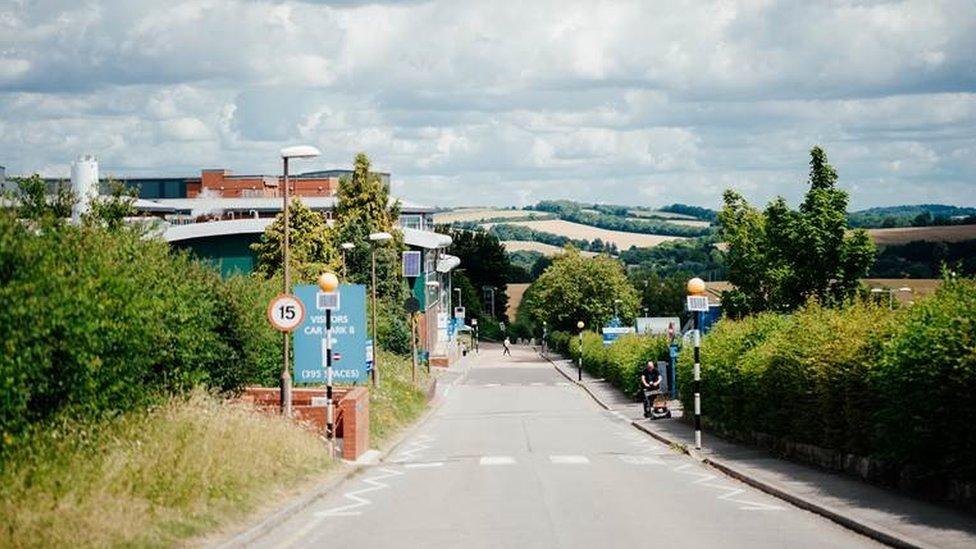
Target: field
(515, 293)
(478, 214)
(685, 222)
(949, 233)
(575, 230)
(914, 288)
(531, 246)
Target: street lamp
(458, 290)
(346, 246)
(491, 290)
(696, 287)
(329, 283)
(579, 326)
(287, 153)
(376, 238)
(615, 315)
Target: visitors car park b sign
(348, 335)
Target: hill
(912, 215)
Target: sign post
(344, 313)
(697, 302)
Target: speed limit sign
(286, 312)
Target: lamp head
(300, 151)
(328, 282)
(696, 286)
(580, 324)
(347, 245)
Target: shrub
(97, 322)
(619, 363)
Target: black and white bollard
(329, 407)
(696, 337)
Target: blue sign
(349, 341)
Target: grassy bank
(397, 402)
(150, 478)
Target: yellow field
(902, 235)
(531, 246)
(575, 230)
(515, 293)
(478, 214)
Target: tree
(364, 207)
(37, 204)
(661, 295)
(780, 258)
(485, 263)
(112, 210)
(312, 247)
(576, 288)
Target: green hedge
(95, 322)
(862, 380)
(619, 363)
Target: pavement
(516, 455)
(884, 515)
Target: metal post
(696, 336)
(413, 346)
(580, 365)
(285, 397)
(329, 405)
(376, 340)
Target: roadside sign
(286, 312)
(474, 321)
(459, 312)
(612, 333)
(411, 305)
(348, 334)
(697, 303)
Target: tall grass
(397, 402)
(150, 478)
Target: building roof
(176, 233)
(261, 204)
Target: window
(411, 221)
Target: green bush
(94, 322)
(862, 380)
(619, 363)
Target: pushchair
(656, 404)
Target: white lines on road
(496, 460)
(641, 460)
(356, 496)
(425, 465)
(570, 460)
(705, 479)
(416, 446)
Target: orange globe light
(328, 282)
(696, 286)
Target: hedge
(95, 322)
(899, 386)
(620, 363)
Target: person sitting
(651, 384)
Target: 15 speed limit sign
(286, 312)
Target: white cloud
(506, 102)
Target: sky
(505, 103)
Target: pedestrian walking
(507, 350)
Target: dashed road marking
(569, 460)
(424, 465)
(496, 460)
(358, 501)
(641, 460)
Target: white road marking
(417, 445)
(730, 492)
(492, 385)
(423, 465)
(641, 460)
(537, 384)
(569, 460)
(496, 460)
(356, 495)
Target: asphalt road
(518, 457)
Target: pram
(656, 404)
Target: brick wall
(352, 413)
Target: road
(518, 457)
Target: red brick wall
(352, 413)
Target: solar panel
(411, 263)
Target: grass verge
(150, 478)
(398, 402)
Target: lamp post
(458, 290)
(376, 238)
(490, 290)
(579, 373)
(696, 287)
(615, 315)
(345, 246)
(287, 153)
(328, 283)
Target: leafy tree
(485, 263)
(661, 295)
(36, 203)
(780, 258)
(112, 209)
(364, 207)
(577, 288)
(311, 244)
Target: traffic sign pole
(329, 406)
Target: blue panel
(348, 333)
(411, 264)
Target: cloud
(505, 102)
